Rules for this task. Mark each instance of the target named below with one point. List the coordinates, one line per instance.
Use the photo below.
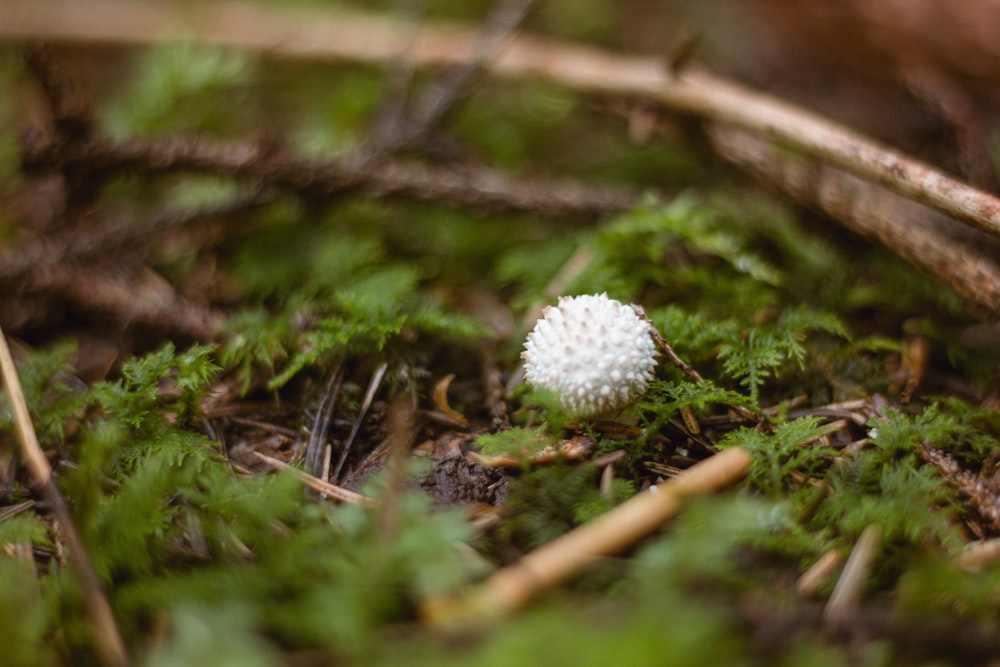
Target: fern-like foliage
(179, 379)
(765, 349)
(776, 455)
(366, 316)
(903, 500)
(182, 87)
(51, 391)
(666, 399)
(750, 355)
(339, 298)
(517, 441)
(170, 529)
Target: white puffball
(595, 353)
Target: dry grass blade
(107, 639)
(820, 571)
(564, 557)
(318, 451)
(978, 555)
(318, 485)
(847, 593)
(373, 387)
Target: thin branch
(71, 113)
(564, 557)
(141, 296)
(977, 555)
(402, 433)
(107, 639)
(87, 238)
(954, 638)
(846, 596)
(903, 226)
(470, 187)
(390, 116)
(365, 37)
(493, 389)
(318, 485)
(440, 96)
(819, 573)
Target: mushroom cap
(595, 353)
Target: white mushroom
(595, 353)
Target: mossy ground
(868, 388)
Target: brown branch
(363, 37)
(472, 187)
(402, 425)
(141, 296)
(819, 573)
(71, 114)
(500, 26)
(493, 389)
(440, 96)
(373, 386)
(108, 641)
(93, 236)
(905, 227)
(956, 107)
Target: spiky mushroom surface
(595, 353)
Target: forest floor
(269, 272)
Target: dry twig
(395, 131)
(953, 637)
(907, 228)
(977, 555)
(818, 574)
(375, 39)
(318, 451)
(107, 639)
(847, 593)
(95, 236)
(472, 187)
(139, 295)
(318, 485)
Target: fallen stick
(481, 188)
(907, 228)
(107, 640)
(559, 560)
(845, 599)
